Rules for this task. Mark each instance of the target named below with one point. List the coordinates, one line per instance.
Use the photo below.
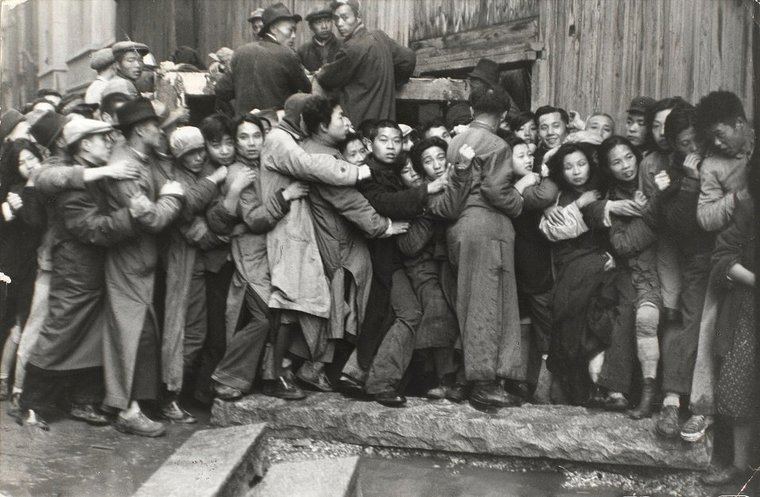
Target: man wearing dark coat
(264, 73)
(367, 69)
(324, 45)
(68, 353)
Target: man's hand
(437, 185)
(172, 188)
(588, 197)
(219, 175)
(625, 208)
(575, 120)
(529, 179)
(139, 205)
(467, 153)
(121, 170)
(640, 198)
(691, 164)
(14, 200)
(662, 180)
(243, 179)
(554, 214)
(295, 190)
(396, 228)
(584, 137)
(364, 172)
(609, 264)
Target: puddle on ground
(425, 477)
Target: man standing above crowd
(129, 59)
(323, 47)
(264, 73)
(367, 69)
(102, 61)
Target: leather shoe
(139, 425)
(436, 393)
(350, 387)
(456, 393)
(30, 418)
(667, 424)
(283, 388)
(390, 398)
(314, 379)
(88, 414)
(225, 392)
(173, 413)
(648, 393)
(615, 404)
(490, 394)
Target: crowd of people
(300, 238)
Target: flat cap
(76, 129)
(121, 47)
(319, 14)
(641, 104)
(9, 120)
(120, 86)
(256, 14)
(185, 139)
(101, 59)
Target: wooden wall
(598, 54)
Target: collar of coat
(292, 130)
(323, 44)
(358, 31)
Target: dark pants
(44, 387)
(145, 384)
(240, 363)
(620, 356)
(217, 287)
(679, 343)
(395, 351)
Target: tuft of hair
(214, 127)
(548, 109)
(556, 165)
(318, 110)
(350, 137)
(717, 107)
(377, 125)
(681, 118)
(485, 100)
(435, 123)
(246, 118)
(419, 148)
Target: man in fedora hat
(264, 73)
(103, 62)
(257, 22)
(67, 355)
(129, 59)
(486, 72)
(132, 340)
(367, 69)
(324, 45)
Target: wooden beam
(438, 89)
(504, 43)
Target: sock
(647, 345)
(671, 399)
(595, 366)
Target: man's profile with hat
(129, 59)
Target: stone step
(219, 462)
(554, 432)
(316, 478)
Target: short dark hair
(366, 126)
(518, 121)
(380, 124)
(435, 123)
(513, 140)
(350, 137)
(214, 127)
(681, 118)
(318, 110)
(604, 156)
(556, 166)
(485, 100)
(717, 107)
(417, 150)
(246, 118)
(10, 175)
(661, 105)
(548, 109)
(109, 102)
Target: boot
(648, 394)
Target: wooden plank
(510, 32)
(436, 18)
(439, 89)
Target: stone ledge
(218, 462)
(318, 478)
(554, 432)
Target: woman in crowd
(523, 125)
(590, 323)
(21, 228)
(634, 243)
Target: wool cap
(101, 59)
(185, 139)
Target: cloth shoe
(390, 398)
(667, 422)
(32, 419)
(283, 388)
(694, 428)
(173, 413)
(436, 393)
(139, 425)
(227, 393)
(456, 393)
(312, 375)
(15, 406)
(648, 393)
(88, 414)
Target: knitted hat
(184, 140)
(101, 59)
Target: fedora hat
(135, 111)
(487, 71)
(277, 12)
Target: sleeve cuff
(284, 204)
(606, 217)
(7, 212)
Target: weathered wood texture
(18, 54)
(598, 54)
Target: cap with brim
(256, 14)
(101, 59)
(184, 140)
(122, 47)
(293, 107)
(134, 112)
(47, 127)
(277, 12)
(9, 120)
(336, 4)
(76, 129)
(641, 105)
(319, 14)
(487, 71)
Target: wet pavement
(74, 459)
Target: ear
(322, 128)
